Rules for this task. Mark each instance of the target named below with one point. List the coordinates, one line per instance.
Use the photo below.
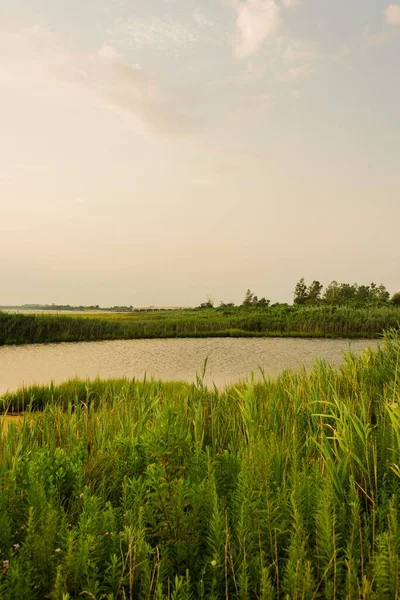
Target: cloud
(256, 21)
(392, 14)
(153, 32)
(290, 3)
(297, 60)
(167, 34)
(38, 61)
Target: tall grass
(283, 489)
(303, 321)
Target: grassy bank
(292, 321)
(285, 489)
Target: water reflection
(229, 359)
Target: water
(229, 359)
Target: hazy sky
(164, 151)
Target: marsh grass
(278, 321)
(281, 489)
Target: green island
(280, 489)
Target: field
(285, 489)
(275, 321)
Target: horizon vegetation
(342, 310)
(335, 294)
(313, 321)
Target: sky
(164, 152)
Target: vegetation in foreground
(273, 321)
(285, 489)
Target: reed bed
(283, 489)
(276, 321)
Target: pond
(228, 359)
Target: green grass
(276, 321)
(286, 489)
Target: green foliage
(339, 294)
(395, 299)
(287, 488)
(256, 319)
(252, 301)
(300, 292)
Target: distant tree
(226, 304)
(347, 293)
(314, 292)
(332, 293)
(372, 293)
(263, 302)
(209, 303)
(363, 294)
(248, 299)
(395, 299)
(382, 294)
(300, 292)
(251, 300)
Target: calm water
(229, 359)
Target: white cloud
(290, 3)
(256, 21)
(168, 35)
(154, 32)
(392, 14)
(37, 61)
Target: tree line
(342, 293)
(335, 294)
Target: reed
(286, 488)
(275, 321)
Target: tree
(332, 293)
(363, 293)
(300, 292)
(347, 293)
(208, 304)
(263, 302)
(251, 300)
(382, 294)
(395, 299)
(314, 292)
(248, 299)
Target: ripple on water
(229, 359)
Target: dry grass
(12, 419)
